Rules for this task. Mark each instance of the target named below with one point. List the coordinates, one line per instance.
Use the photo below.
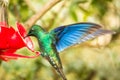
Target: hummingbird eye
(32, 29)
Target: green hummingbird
(60, 38)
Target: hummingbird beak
(27, 35)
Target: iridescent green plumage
(48, 49)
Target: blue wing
(70, 35)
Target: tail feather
(57, 66)
(60, 71)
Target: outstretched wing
(70, 35)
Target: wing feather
(70, 35)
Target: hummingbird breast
(49, 50)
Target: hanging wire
(3, 11)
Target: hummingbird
(53, 42)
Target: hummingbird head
(35, 30)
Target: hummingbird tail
(57, 66)
(60, 71)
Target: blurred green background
(98, 59)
